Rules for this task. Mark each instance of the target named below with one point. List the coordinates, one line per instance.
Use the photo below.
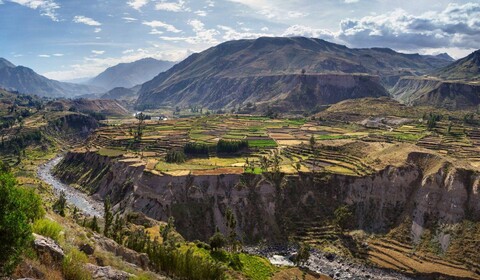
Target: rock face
(467, 68)
(107, 273)
(251, 70)
(443, 194)
(438, 93)
(128, 255)
(47, 246)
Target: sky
(71, 39)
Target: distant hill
(467, 68)
(25, 80)
(121, 93)
(131, 74)
(269, 71)
(452, 95)
(107, 107)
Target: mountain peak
(6, 63)
(445, 56)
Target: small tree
(60, 204)
(217, 241)
(303, 254)
(108, 216)
(94, 224)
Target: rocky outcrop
(107, 273)
(47, 246)
(128, 255)
(434, 92)
(425, 194)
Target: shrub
(48, 228)
(196, 149)
(73, 266)
(175, 156)
(18, 209)
(224, 146)
(217, 241)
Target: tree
(175, 156)
(303, 254)
(217, 241)
(343, 217)
(94, 224)
(108, 216)
(231, 224)
(118, 231)
(167, 231)
(60, 204)
(19, 207)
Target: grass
(256, 268)
(110, 152)
(48, 228)
(262, 143)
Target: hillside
(467, 68)
(130, 74)
(25, 80)
(235, 64)
(107, 107)
(121, 93)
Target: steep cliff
(434, 92)
(426, 191)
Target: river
(337, 268)
(82, 201)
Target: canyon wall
(271, 210)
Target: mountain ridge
(26, 80)
(268, 56)
(128, 75)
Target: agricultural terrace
(351, 148)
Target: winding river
(318, 262)
(82, 201)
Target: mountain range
(128, 75)
(277, 71)
(25, 80)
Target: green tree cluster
(230, 147)
(19, 208)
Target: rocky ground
(327, 264)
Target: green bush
(48, 228)
(73, 266)
(19, 207)
(224, 146)
(175, 156)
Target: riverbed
(336, 267)
(82, 201)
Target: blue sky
(80, 38)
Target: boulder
(47, 246)
(87, 249)
(107, 272)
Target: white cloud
(86, 21)
(46, 7)
(202, 35)
(128, 51)
(129, 19)
(159, 24)
(201, 13)
(58, 54)
(351, 1)
(95, 52)
(137, 4)
(92, 66)
(455, 26)
(210, 3)
(44, 55)
(232, 34)
(178, 6)
(306, 31)
(97, 30)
